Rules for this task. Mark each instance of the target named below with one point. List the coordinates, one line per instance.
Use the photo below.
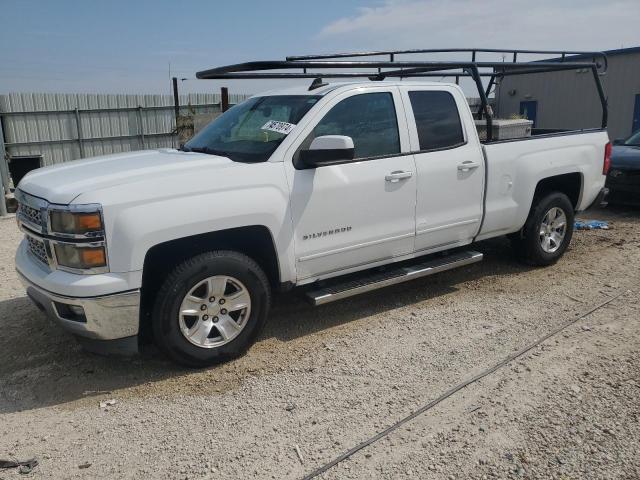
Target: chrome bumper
(108, 317)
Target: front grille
(37, 249)
(30, 214)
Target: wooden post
(3, 201)
(141, 126)
(4, 173)
(79, 131)
(176, 101)
(224, 99)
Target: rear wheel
(211, 308)
(547, 231)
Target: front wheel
(547, 231)
(211, 308)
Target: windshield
(252, 130)
(634, 139)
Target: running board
(391, 277)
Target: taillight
(607, 159)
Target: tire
(537, 249)
(179, 323)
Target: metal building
(568, 99)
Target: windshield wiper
(207, 150)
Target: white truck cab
(286, 189)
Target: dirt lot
(322, 380)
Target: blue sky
(120, 46)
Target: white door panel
(449, 200)
(450, 178)
(350, 215)
(356, 213)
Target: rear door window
(437, 119)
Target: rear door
(449, 165)
(348, 216)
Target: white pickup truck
(290, 188)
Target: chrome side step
(392, 277)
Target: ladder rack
(361, 65)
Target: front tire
(547, 231)
(211, 308)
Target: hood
(625, 157)
(62, 183)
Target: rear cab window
(437, 119)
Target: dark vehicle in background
(623, 180)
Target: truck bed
(516, 166)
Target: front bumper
(106, 318)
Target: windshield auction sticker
(279, 127)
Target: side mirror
(327, 150)
(619, 141)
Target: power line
(450, 392)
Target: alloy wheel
(214, 311)
(553, 229)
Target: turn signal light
(89, 222)
(93, 257)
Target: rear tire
(547, 231)
(211, 308)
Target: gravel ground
(321, 380)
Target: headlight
(75, 223)
(80, 257)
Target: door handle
(398, 175)
(466, 166)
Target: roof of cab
(330, 87)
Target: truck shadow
(306, 319)
(40, 365)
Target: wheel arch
(571, 184)
(255, 241)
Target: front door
(449, 165)
(635, 125)
(348, 216)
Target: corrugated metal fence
(63, 127)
